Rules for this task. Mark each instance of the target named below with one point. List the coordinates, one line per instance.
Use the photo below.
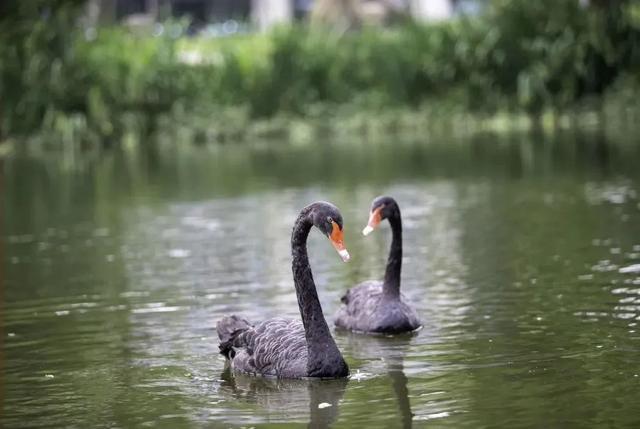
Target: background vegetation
(72, 83)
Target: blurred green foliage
(519, 56)
(36, 52)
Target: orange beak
(374, 220)
(337, 239)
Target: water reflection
(390, 351)
(288, 400)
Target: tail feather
(228, 329)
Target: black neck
(320, 343)
(394, 262)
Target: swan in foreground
(374, 306)
(288, 348)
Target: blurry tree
(36, 42)
(100, 12)
(344, 15)
(614, 40)
(550, 53)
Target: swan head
(327, 218)
(382, 208)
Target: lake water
(519, 256)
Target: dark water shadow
(317, 400)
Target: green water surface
(516, 251)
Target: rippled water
(521, 257)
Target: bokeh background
(90, 74)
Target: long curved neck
(319, 339)
(394, 262)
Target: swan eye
(329, 220)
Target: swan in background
(378, 306)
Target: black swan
(288, 348)
(374, 306)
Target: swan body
(288, 348)
(367, 309)
(276, 347)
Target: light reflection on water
(110, 304)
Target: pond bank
(74, 137)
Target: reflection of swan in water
(391, 351)
(289, 398)
(399, 381)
